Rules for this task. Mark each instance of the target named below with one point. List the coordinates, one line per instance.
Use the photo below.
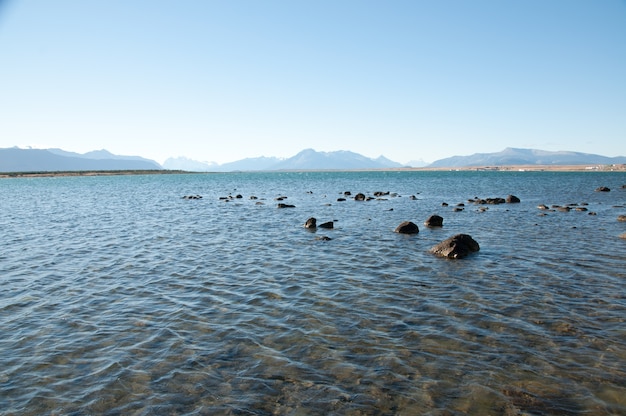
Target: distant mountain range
(45, 160)
(50, 160)
(307, 159)
(512, 156)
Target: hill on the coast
(513, 156)
(55, 160)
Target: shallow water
(121, 297)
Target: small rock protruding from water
(282, 205)
(621, 218)
(359, 197)
(434, 221)
(311, 223)
(192, 197)
(603, 189)
(327, 225)
(456, 247)
(407, 227)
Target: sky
(220, 81)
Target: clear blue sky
(225, 80)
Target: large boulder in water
(456, 247)
(512, 199)
(407, 227)
(434, 221)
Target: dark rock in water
(328, 224)
(310, 223)
(341, 199)
(192, 197)
(581, 209)
(381, 193)
(323, 238)
(253, 197)
(347, 193)
(495, 201)
(543, 206)
(563, 209)
(512, 199)
(456, 247)
(457, 209)
(239, 196)
(413, 198)
(434, 221)
(359, 197)
(621, 218)
(444, 204)
(407, 227)
(603, 189)
(286, 206)
(592, 213)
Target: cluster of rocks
(510, 199)
(408, 227)
(455, 247)
(582, 207)
(192, 197)
(378, 195)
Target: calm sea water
(121, 297)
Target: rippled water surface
(121, 297)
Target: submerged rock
(456, 247)
(434, 221)
(407, 227)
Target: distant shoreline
(533, 168)
(505, 168)
(44, 174)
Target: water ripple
(130, 299)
